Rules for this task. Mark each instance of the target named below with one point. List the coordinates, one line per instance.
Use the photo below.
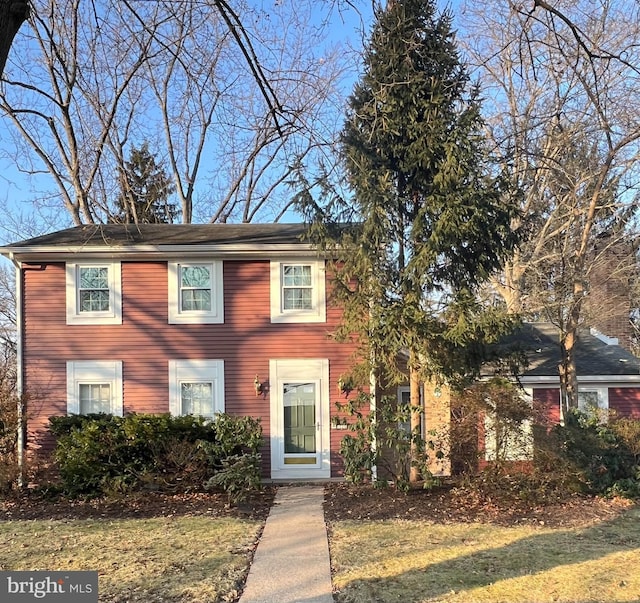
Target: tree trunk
(568, 338)
(568, 376)
(12, 15)
(416, 415)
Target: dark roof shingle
(116, 235)
(593, 356)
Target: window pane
(587, 401)
(196, 276)
(197, 399)
(94, 277)
(94, 301)
(93, 289)
(297, 292)
(195, 288)
(297, 299)
(95, 398)
(196, 299)
(297, 276)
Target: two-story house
(186, 319)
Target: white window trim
(318, 311)
(80, 372)
(213, 316)
(525, 451)
(114, 315)
(197, 371)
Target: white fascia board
(52, 253)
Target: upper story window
(298, 291)
(94, 386)
(94, 293)
(196, 387)
(195, 292)
(297, 287)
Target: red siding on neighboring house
(625, 401)
(145, 343)
(547, 402)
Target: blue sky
(17, 191)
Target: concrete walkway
(291, 563)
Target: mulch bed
(450, 504)
(137, 505)
(342, 501)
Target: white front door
(299, 392)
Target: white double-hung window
(297, 287)
(196, 387)
(94, 293)
(94, 386)
(594, 402)
(195, 292)
(298, 291)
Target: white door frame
(283, 371)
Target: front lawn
(588, 552)
(149, 547)
(161, 559)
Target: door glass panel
(299, 419)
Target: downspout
(19, 374)
(373, 397)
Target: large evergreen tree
(145, 190)
(434, 221)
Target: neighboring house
(608, 379)
(186, 319)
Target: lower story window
(94, 386)
(509, 436)
(196, 387)
(594, 402)
(197, 399)
(95, 398)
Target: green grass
(418, 561)
(181, 559)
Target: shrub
(604, 458)
(238, 476)
(516, 486)
(9, 426)
(235, 456)
(497, 413)
(99, 454)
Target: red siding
(145, 342)
(625, 401)
(547, 405)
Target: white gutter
(222, 249)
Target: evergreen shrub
(604, 457)
(105, 454)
